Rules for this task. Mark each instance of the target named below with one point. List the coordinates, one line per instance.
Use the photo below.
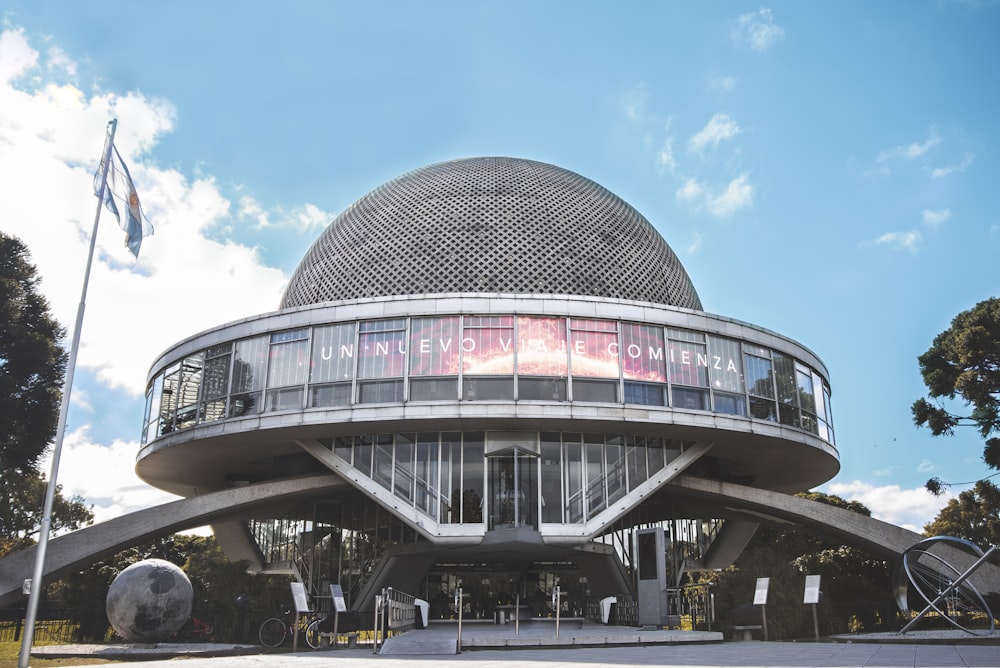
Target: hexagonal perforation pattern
(491, 225)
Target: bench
(745, 632)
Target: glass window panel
(552, 504)
(382, 464)
(212, 410)
(333, 353)
(541, 389)
(646, 394)
(434, 389)
(249, 365)
(594, 348)
(596, 499)
(763, 409)
(451, 477)
(289, 398)
(217, 376)
(614, 452)
(473, 472)
(731, 404)
(168, 405)
(380, 392)
(541, 346)
(760, 378)
(488, 346)
(685, 335)
(784, 372)
(245, 403)
(604, 391)
(290, 335)
(434, 346)
(690, 399)
(642, 351)
(188, 389)
(153, 399)
(688, 363)
(635, 457)
(654, 455)
(382, 349)
(403, 475)
(333, 394)
(574, 479)
(724, 370)
(363, 448)
(343, 447)
(803, 377)
(426, 474)
(479, 389)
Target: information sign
(760, 592)
(812, 589)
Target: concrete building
(502, 369)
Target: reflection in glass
(541, 346)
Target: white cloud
(934, 218)
(635, 102)
(725, 83)
(302, 218)
(665, 158)
(909, 151)
(182, 282)
(16, 55)
(908, 508)
(926, 466)
(904, 240)
(695, 244)
(736, 195)
(719, 128)
(51, 135)
(690, 191)
(959, 167)
(758, 30)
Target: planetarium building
(503, 371)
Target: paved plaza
(535, 646)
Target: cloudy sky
(828, 170)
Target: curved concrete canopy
(77, 550)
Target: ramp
(420, 643)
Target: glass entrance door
(513, 490)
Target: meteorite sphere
(149, 601)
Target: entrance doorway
(513, 489)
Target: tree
(974, 515)
(32, 367)
(856, 588)
(964, 363)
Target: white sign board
(760, 592)
(812, 589)
(299, 597)
(338, 598)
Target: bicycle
(275, 630)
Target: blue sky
(828, 170)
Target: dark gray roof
(491, 225)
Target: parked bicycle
(274, 631)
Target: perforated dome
(490, 225)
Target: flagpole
(34, 585)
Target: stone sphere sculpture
(149, 601)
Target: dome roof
(490, 225)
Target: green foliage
(963, 364)
(856, 589)
(32, 364)
(216, 581)
(32, 367)
(974, 515)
